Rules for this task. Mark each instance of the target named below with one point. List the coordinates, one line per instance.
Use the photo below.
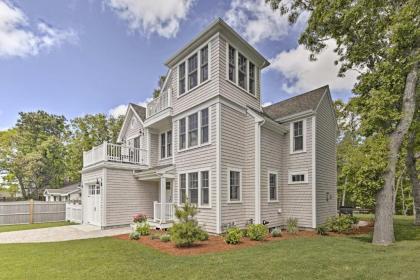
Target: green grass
(33, 226)
(302, 258)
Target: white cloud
(256, 21)
(268, 103)
(16, 38)
(152, 16)
(120, 110)
(302, 74)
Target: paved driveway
(63, 233)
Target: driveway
(63, 233)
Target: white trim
(199, 170)
(292, 140)
(275, 172)
(297, 172)
(125, 125)
(199, 144)
(218, 169)
(104, 198)
(229, 169)
(296, 116)
(314, 171)
(166, 145)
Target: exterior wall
(126, 196)
(203, 157)
(271, 160)
(154, 148)
(133, 131)
(90, 178)
(326, 162)
(296, 199)
(237, 152)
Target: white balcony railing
(159, 104)
(115, 153)
(168, 215)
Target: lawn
(33, 226)
(302, 258)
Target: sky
(78, 57)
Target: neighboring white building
(208, 138)
(70, 192)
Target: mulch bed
(216, 243)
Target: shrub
(203, 236)
(292, 225)
(257, 232)
(134, 235)
(186, 231)
(341, 223)
(139, 218)
(233, 235)
(165, 238)
(143, 228)
(322, 230)
(276, 232)
(244, 232)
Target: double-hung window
(193, 130)
(204, 62)
(182, 133)
(205, 126)
(234, 186)
(169, 143)
(251, 83)
(192, 71)
(272, 186)
(204, 187)
(298, 137)
(181, 69)
(232, 64)
(166, 144)
(182, 188)
(195, 187)
(242, 71)
(163, 145)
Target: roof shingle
(140, 110)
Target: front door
(94, 205)
(168, 192)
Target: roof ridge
(296, 96)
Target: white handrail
(159, 104)
(169, 211)
(115, 153)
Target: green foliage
(276, 232)
(233, 235)
(134, 235)
(341, 223)
(204, 236)
(292, 225)
(322, 230)
(257, 232)
(165, 238)
(143, 228)
(154, 236)
(186, 231)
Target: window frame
(167, 145)
(202, 65)
(297, 172)
(207, 126)
(229, 170)
(199, 129)
(269, 173)
(199, 203)
(193, 72)
(292, 137)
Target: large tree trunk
(22, 188)
(412, 173)
(383, 233)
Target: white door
(94, 205)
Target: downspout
(259, 122)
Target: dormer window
(241, 71)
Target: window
(204, 61)
(137, 142)
(192, 71)
(232, 64)
(169, 143)
(204, 188)
(251, 82)
(272, 186)
(193, 130)
(298, 177)
(193, 187)
(298, 137)
(181, 70)
(242, 71)
(182, 134)
(205, 126)
(234, 185)
(183, 188)
(162, 145)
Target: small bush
(143, 229)
(257, 232)
(165, 238)
(139, 218)
(292, 225)
(204, 236)
(322, 230)
(134, 235)
(276, 232)
(341, 223)
(233, 235)
(244, 232)
(186, 231)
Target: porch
(115, 153)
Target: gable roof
(65, 190)
(140, 110)
(307, 101)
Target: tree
(381, 40)
(156, 91)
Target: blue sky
(88, 56)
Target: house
(208, 139)
(71, 192)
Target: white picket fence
(74, 213)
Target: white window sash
(292, 137)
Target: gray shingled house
(208, 139)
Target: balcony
(107, 152)
(159, 109)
